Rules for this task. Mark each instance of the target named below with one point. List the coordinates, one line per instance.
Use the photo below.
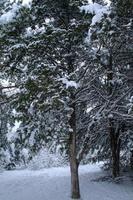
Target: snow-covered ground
(54, 184)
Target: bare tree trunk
(115, 151)
(118, 155)
(75, 190)
(131, 160)
(115, 159)
(114, 135)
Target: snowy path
(54, 184)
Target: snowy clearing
(54, 184)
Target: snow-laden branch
(85, 143)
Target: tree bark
(114, 136)
(75, 190)
(115, 151)
(131, 160)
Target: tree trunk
(114, 135)
(75, 191)
(131, 160)
(115, 151)
(115, 158)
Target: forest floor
(54, 184)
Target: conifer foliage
(70, 63)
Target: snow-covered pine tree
(111, 57)
(124, 10)
(47, 60)
(5, 110)
(5, 122)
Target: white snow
(24, 2)
(54, 184)
(46, 159)
(69, 83)
(12, 131)
(107, 1)
(30, 32)
(97, 10)
(10, 15)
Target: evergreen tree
(111, 56)
(45, 58)
(73, 76)
(5, 122)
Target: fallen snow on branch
(10, 15)
(69, 83)
(97, 10)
